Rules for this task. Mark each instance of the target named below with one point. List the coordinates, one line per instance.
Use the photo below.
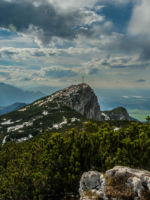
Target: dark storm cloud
(145, 54)
(140, 80)
(140, 45)
(20, 15)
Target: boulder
(119, 183)
(92, 182)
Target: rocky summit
(119, 183)
(80, 98)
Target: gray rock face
(118, 183)
(92, 181)
(80, 98)
(119, 113)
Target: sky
(57, 42)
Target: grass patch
(90, 195)
(116, 187)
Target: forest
(50, 165)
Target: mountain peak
(119, 113)
(80, 98)
(72, 89)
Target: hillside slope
(50, 165)
(63, 108)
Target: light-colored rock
(130, 184)
(105, 116)
(93, 182)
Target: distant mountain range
(7, 109)
(10, 95)
(137, 102)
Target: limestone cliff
(80, 98)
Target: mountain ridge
(80, 98)
(11, 94)
(64, 108)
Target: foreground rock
(119, 183)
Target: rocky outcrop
(119, 113)
(80, 98)
(119, 183)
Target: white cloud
(72, 4)
(140, 20)
(94, 51)
(89, 17)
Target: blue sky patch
(7, 34)
(120, 16)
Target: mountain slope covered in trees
(49, 166)
(47, 145)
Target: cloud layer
(47, 19)
(56, 42)
(140, 23)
